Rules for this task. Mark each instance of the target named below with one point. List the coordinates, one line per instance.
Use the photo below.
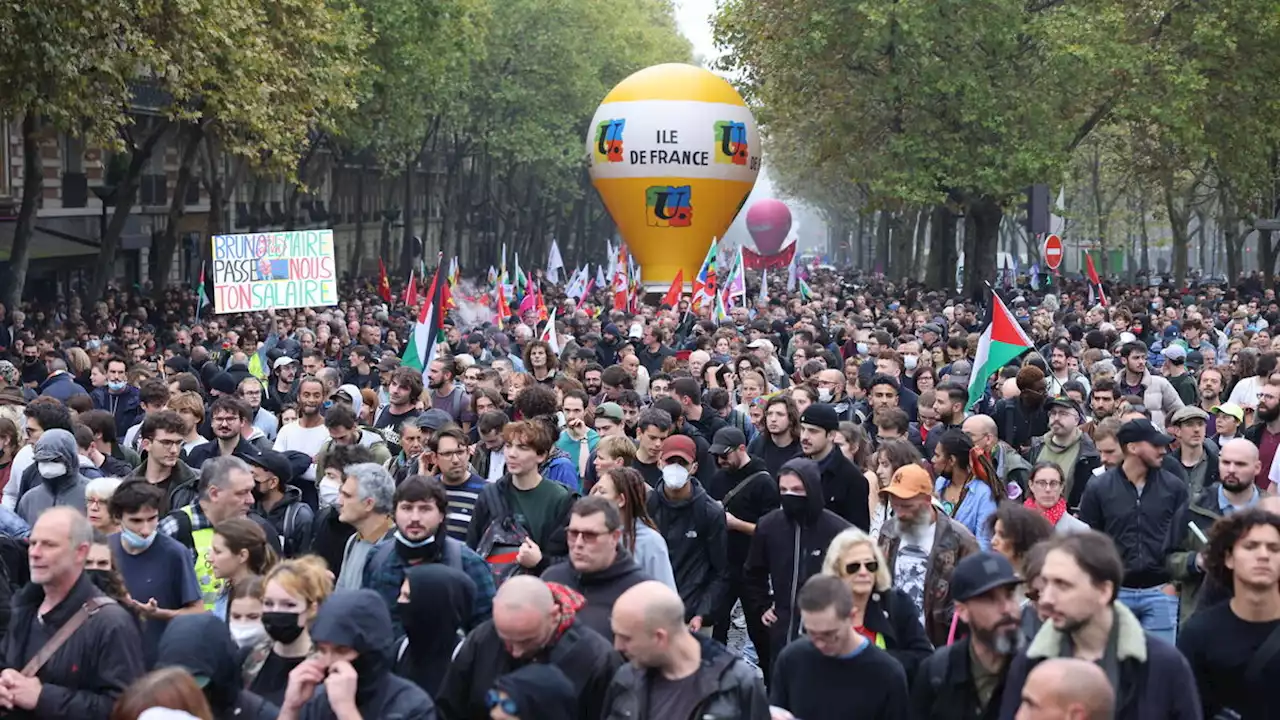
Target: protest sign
(263, 271)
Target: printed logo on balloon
(670, 206)
(731, 139)
(609, 140)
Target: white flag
(549, 334)
(555, 263)
(792, 273)
(764, 285)
(600, 281)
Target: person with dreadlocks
(966, 484)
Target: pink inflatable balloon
(769, 221)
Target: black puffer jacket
(601, 589)
(697, 541)
(359, 619)
(202, 645)
(785, 552)
(85, 676)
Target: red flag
(672, 298)
(504, 312)
(1094, 280)
(384, 285)
(411, 293)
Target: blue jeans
(1157, 611)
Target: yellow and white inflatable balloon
(674, 153)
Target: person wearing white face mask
(58, 478)
(693, 524)
(157, 569)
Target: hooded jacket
(726, 685)
(125, 407)
(358, 619)
(785, 551)
(202, 645)
(440, 602)
(66, 489)
(601, 589)
(541, 692)
(587, 659)
(845, 489)
(293, 520)
(86, 675)
(697, 540)
(61, 386)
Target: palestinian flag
(203, 293)
(428, 332)
(1002, 341)
(806, 293)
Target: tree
(66, 67)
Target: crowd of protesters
(810, 509)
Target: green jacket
(1184, 545)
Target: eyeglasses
(1046, 483)
(167, 443)
(452, 453)
(854, 568)
(494, 699)
(586, 536)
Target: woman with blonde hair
(885, 615)
(293, 593)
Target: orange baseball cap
(910, 481)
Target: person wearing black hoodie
(599, 567)
(534, 692)
(434, 612)
(801, 531)
(351, 671)
(202, 645)
(693, 524)
(748, 492)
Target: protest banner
(272, 270)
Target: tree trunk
(407, 249)
(32, 189)
(1178, 226)
(980, 267)
(126, 195)
(1144, 236)
(942, 248)
(357, 248)
(166, 248)
(922, 234)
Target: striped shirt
(462, 505)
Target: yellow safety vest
(202, 542)
(255, 367)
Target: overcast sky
(694, 18)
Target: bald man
(667, 664)
(1066, 689)
(532, 622)
(1012, 467)
(86, 675)
(1238, 467)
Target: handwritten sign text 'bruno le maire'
(261, 271)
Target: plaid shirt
(385, 579)
(169, 525)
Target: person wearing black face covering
(434, 611)
(202, 645)
(422, 538)
(353, 662)
(534, 692)
(800, 531)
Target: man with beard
(1134, 378)
(1068, 447)
(1230, 646)
(748, 492)
(591, 382)
(228, 416)
(448, 395)
(1238, 466)
(834, 667)
(421, 536)
(1060, 372)
(1135, 504)
(1102, 402)
(405, 389)
(282, 390)
(781, 440)
(1023, 416)
(949, 400)
(1081, 577)
(966, 679)
(1266, 433)
(463, 487)
(1211, 399)
(307, 434)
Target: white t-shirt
(23, 460)
(912, 563)
(304, 440)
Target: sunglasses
(854, 567)
(495, 699)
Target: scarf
(570, 602)
(1064, 456)
(1053, 514)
